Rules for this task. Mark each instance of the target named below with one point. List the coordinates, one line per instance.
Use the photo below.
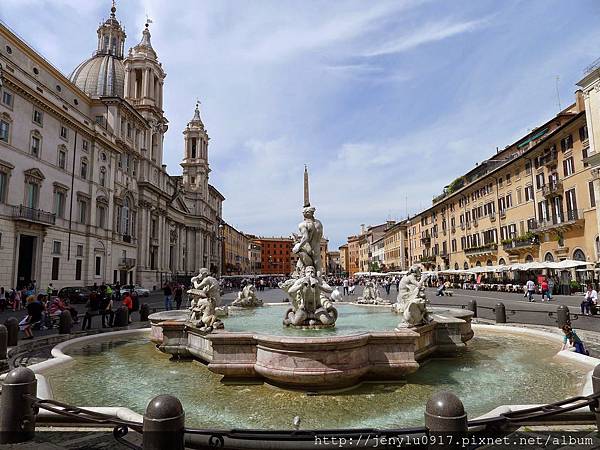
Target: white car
(140, 291)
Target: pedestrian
(34, 316)
(106, 310)
(178, 296)
(345, 285)
(530, 286)
(128, 303)
(545, 290)
(168, 292)
(573, 341)
(589, 301)
(441, 288)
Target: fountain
(313, 351)
(247, 298)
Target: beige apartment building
(344, 258)
(395, 247)
(235, 251)
(532, 201)
(84, 195)
(353, 255)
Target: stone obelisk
(306, 196)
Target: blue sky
(386, 102)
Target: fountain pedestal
(320, 363)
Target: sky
(385, 101)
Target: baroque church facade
(84, 195)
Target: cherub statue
(411, 302)
(247, 297)
(371, 295)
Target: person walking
(530, 286)
(168, 292)
(545, 290)
(128, 303)
(346, 286)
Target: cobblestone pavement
(71, 439)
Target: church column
(126, 86)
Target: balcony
(427, 260)
(492, 217)
(561, 222)
(127, 263)
(521, 244)
(33, 215)
(548, 159)
(483, 250)
(553, 189)
(502, 214)
(426, 240)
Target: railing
(33, 215)
(571, 217)
(552, 189)
(481, 250)
(593, 66)
(163, 424)
(517, 244)
(127, 262)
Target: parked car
(75, 294)
(140, 291)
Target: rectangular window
(530, 224)
(7, 98)
(566, 143)
(519, 196)
(78, 265)
(508, 178)
(509, 201)
(83, 171)
(79, 251)
(540, 181)
(4, 130)
(56, 247)
(98, 265)
(583, 133)
(528, 167)
(590, 186)
(62, 159)
(59, 203)
(85, 145)
(100, 216)
(32, 194)
(64, 132)
(571, 204)
(584, 153)
(100, 120)
(38, 117)
(55, 268)
(83, 213)
(3, 186)
(528, 193)
(35, 146)
(568, 166)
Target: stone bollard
(445, 416)
(472, 306)
(500, 313)
(144, 312)
(121, 317)
(563, 316)
(164, 423)
(596, 390)
(65, 323)
(3, 342)
(17, 413)
(12, 327)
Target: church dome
(100, 76)
(103, 75)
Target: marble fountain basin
(364, 345)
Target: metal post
(12, 327)
(500, 313)
(144, 312)
(164, 423)
(17, 413)
(596, 389)
(65, 323)
(445, 416)
(3, 342)
(472, 306)
(562, 315)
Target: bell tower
(144, 80)
(195, 155)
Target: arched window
(578, 255)
(478, 264)
(549, 257)
(529, 258)
(456, 266)
(466, 266)
(489, 263)
(501, 262)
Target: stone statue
(311, 305)
(371, 295)
(205, 299)
(412, 302)
(310, 295)
(308, 241)
(247, 298)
